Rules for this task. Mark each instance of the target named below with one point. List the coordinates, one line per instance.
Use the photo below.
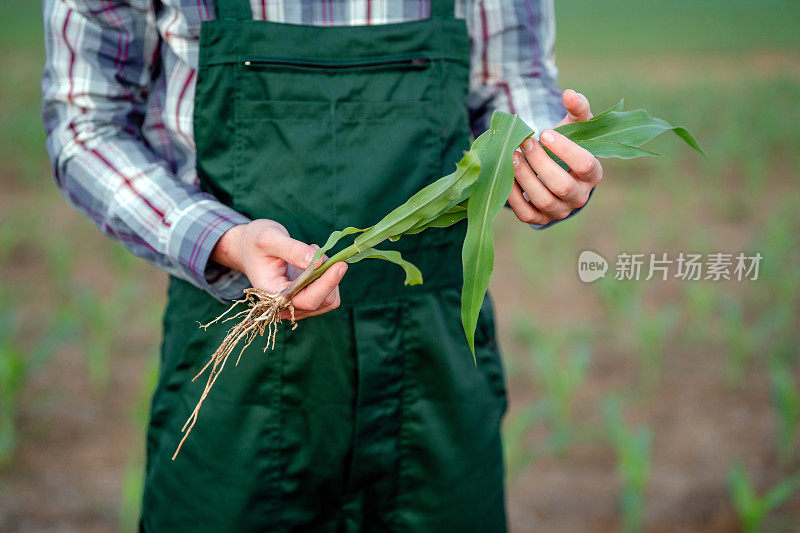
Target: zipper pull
(247, 63)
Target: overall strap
(233, 9)
(443, 9)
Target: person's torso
(324, 128)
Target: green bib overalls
(372, 417)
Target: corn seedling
(633, 449)
(786, 400)
(751, 508)
(99, 313)
(740, 340)
(700, 302)
(17, 363)
(476, 191)
(13, 371)
(621, 299)
(133, 476)
(518, 455)
(652, 330)
(560, 368)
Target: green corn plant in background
(560, 361)
(700, 301)
(751, 508)
(518, 453)
(100, 313)
(18, 362)
(738, 338)
(652, 330)
(786, 400)
(560, 367)
(633, 449)
(13, 371)
(133, 476)
(87, 311)
(621, 299)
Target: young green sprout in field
(633, 448)
(477, 190)
(752, 508)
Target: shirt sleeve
(100, 58)
(512, 65)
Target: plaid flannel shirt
(118, 97)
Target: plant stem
(311, 274)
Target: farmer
(219, 139)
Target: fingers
(565, 192)
(317, 293)
(539, 195)
(333, 301)
(524, 210)
(584, 165)
(294, 252)
(577, 106)
(299, 314)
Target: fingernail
(309, 258)
(342, 270)
(547, 137)
(515, 159)
(581, 98)
(528, 144)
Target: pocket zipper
(414, 62)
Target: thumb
(577, 106)
(294, 252)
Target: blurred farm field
(655, 405)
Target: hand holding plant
(543, 191)
(264, 252)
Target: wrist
(227, 251)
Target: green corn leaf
(603, 148)
(335, 237)
(781, 492)
(413, 275)
(488, 197)
(615, 107)
(631, 128)
(455, 214)
(684, 134)
(425, 205)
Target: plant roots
(261, 315)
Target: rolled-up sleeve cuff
(194, 231)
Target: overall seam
(406, 398)
(393, 509)
(334, 169)
(278, 465)
(237, 149)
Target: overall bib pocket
(361, 140)
(283, 164)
